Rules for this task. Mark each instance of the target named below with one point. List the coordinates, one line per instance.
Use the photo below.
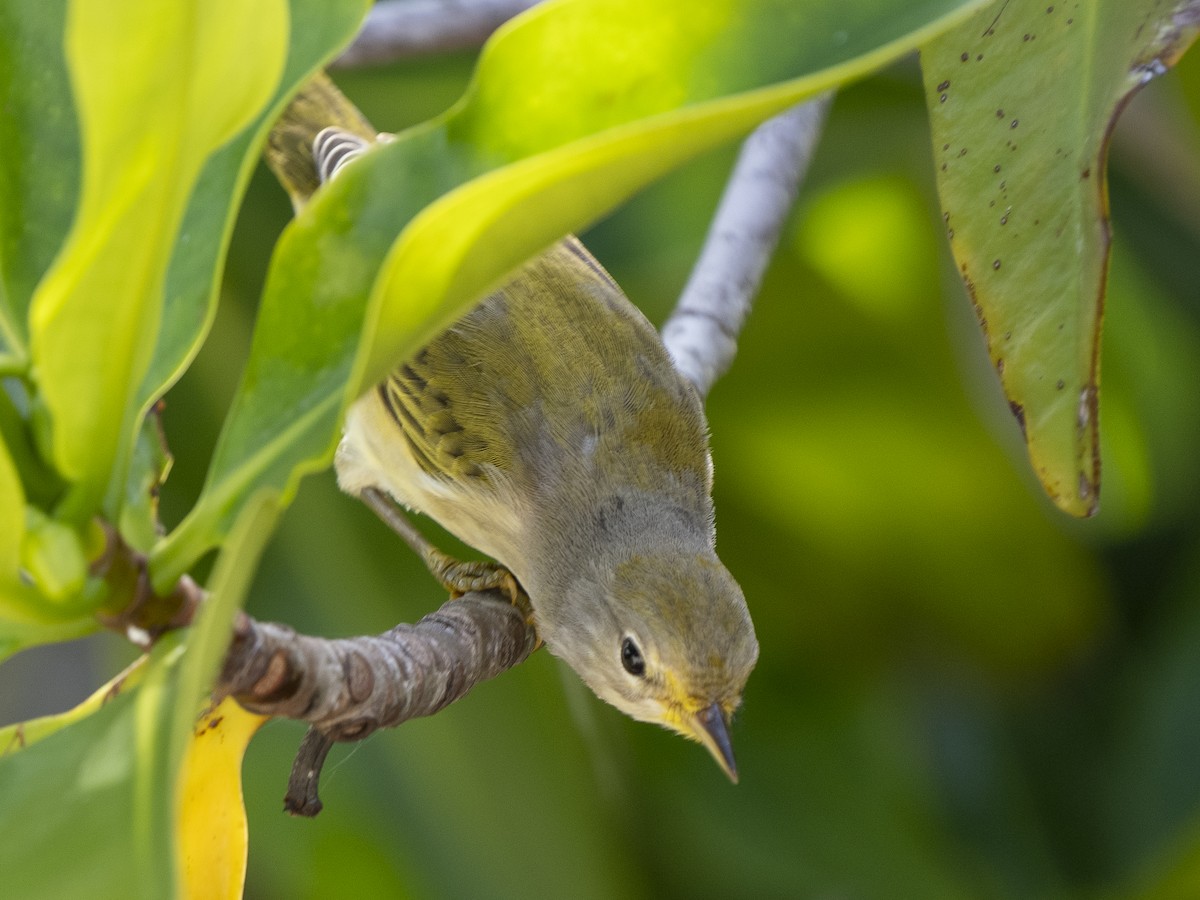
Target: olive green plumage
(606, 390)
(549, 429)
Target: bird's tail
(289, 152)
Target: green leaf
(209, 635)
(17, 634)
(159, 87)
(318, 29)
(1176, 873)
(26, 617)
(91, 810)
(40, 483)
(79, 813)
(1022, 99)
(17, 601)
(575, 106)
(21, 735)
(554, 135)
(39, 158)
(149, 466)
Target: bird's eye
(631, 658)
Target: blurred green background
(961, 692)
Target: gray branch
(346, 688)
(402, 29)
(701, 334)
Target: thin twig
(303, 797)
(701, 334)
(402, 29)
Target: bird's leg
(455, 575)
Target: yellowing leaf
(212, 818)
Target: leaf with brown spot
(212, 836)
(1034, 89)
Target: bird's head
(663, 638)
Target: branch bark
(403, 29)
(701, 334)
(346, 688)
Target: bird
(549, 429)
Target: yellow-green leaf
(28, 616)
(22, 735)
(158, 88)
(319, 28)
(17, 601)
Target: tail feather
(289, 152)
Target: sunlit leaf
(575, 107)
(212, 818)
(1022, 99)
(34, 47)
(158, 88)
(319, 27)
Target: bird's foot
(461, 576)
(455, 575)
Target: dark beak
(712, 729)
